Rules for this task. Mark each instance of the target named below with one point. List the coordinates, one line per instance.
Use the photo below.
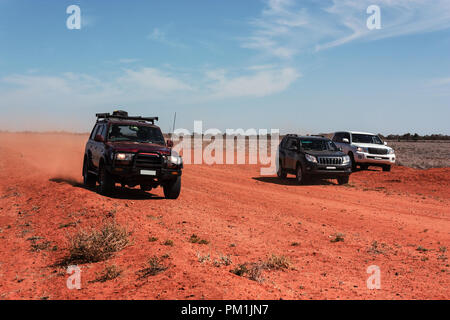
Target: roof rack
(123, 115)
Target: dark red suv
(130, 151)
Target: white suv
(365, 149)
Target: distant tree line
(414, 137)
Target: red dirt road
(241, 214)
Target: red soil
(40, 191)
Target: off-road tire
(387, 167)
(281, 173)
(343, 180)
(106, 183)
(172, 188)
(89, 180)
(352, 160)
(299, 176)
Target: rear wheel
(343, 180)
(89, 179)
(106, 182)
(172, 188)
(280, 172)
(387, 167)
(299, 177)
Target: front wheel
(172, 188)
(343, 180)
(106, 182)
(387, 167)
(353, 162)
(299, 177)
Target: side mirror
(385, 143)
(99, 138)
(170, 143)
(345, 140)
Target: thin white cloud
(159, 35)
(259, 84)
(287, 27)
(128, 60)
(71, 91)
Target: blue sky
(299, 66)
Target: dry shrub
(337, 237)
(254, 270)
(155, 266)
(97, 245)
(109, 273)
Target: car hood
(370, 145)
(133, 147)
(326, 153)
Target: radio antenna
(174, 120)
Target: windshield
(144, 134)
(318, 145)
(366, 138)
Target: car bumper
(144, 174)
(374, 159)
(327, 171)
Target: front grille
(377, 151)
(148, 160)
(330, 160)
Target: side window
(291, 142)
(337, 137)
(94, 131)
(346, 135)
(102, 131)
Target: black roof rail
(122, 115)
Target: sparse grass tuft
(422, 249)
(223, 260)
(109, 273)
(66, 225)
(36, 247)
(376, 248)
(275, 262)
(202, 258)
(337, 237)
(97, 245)
(155, 266)
(196, 239)
(168, 243)
(254, 270)
(152, 239)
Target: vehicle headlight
(360, 149)
(310, 158)
(124, 156)
(176, 160)
(345, 159)
(391, 151)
